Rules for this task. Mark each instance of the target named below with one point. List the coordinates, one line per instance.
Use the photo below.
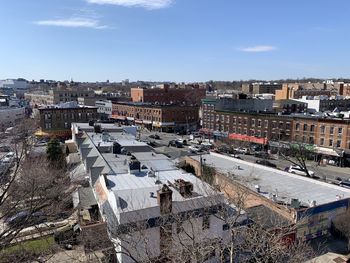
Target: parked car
(241, 150)
(154, 136)
(193, 149)
(175, 143)
(236, 156)
(294, 169)
(25, 217)
(266, 163)
(261, 154)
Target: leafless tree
(297, 154)
(30, 186)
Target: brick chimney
(164, 199)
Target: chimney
(184, 187)
(134, 165)
(164, 199)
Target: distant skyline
(174, 40)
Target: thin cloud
(258, 49)
(148, 4)
(74, 22)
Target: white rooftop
(272, 181)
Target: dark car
(27, 218)
(266, 163)
(155, 136)
(261, 154)
(176, 144)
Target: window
(312, 127)
(206, 221)
(330, 142)
(340, 130)
(66, 125)
(48, 125)
(311, 140)
(288, 126)
(331, 130)
(338, 143)
(297, 126)
(323, 128)
(259, 123)
(305, 127)
(322, 141)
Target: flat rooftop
(275, 182)
(133, 190)
(137, 191)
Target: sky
(174, 40)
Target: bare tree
(32, 189)
(297, 154)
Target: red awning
(247, 138)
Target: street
(327, 172)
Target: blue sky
(174, 40)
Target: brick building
(59, 94)
(256, 125)
(160, 117)
(56, 121)
(329, 136)
(260, 88)
(297, 91)
(164, 94)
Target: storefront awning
(327, 151)
(247, 138)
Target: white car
(10, 155)
(294, 169)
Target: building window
(297, 126)
(338, 143)
(340, 131)
(312, 127)
(323, 128)
(331, 130)
(288, 126)
(206, 221)
(48, 125)
(305, 127)
(66, 125)
(259, 123)
(322, 141)
(311, 140)
(330, 142)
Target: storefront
(247, 138)
(218, 135)
(330, 156)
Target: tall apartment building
(164, 94)
(159, 117)
(260, 88)
(297, 91)
(57, 95)
(56, 121)
(152, 210)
